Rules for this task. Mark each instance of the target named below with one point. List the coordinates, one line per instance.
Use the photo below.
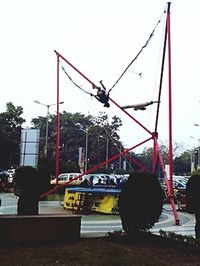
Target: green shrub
(140, 202)
(27, 184)
(26, 177)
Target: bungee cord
(102, 94)
(78, 86)
(140, 51)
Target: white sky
(101, 38)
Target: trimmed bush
(140, 202)
(27, 183)
(193, 194)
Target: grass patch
(143, 249)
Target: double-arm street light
(47, 123)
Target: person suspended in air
(102, 96)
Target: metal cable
(140, 51)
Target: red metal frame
(141, 166)
(94, 168)
(156, 156)
(57, 125)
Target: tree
(41, 123)
(72, 134)
(103, 138)
(182, 163)
(181, 159)
(11, 121)
(145, 157)
(10, 131)
(73, 131)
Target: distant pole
(47, 129)
(107, 146)
(120, 159)
(86, 149)
(107, 149)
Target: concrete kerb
(53, 224)
(38, 229)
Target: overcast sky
(100, 38)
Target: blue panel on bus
(94, 190)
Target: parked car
(63, 178)
(100, 179)
(120, 179)
(178, 182)
(179, 185)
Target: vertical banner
(167, 171)
(81, 159)
(29, 147)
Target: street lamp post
(196, 154)
(119, 149)
(86, 149)
(107, 149)
(198, 149)
(47, 124)
(107, 145)
(120, 159)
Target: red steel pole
(80, 73)
(177, 221)
(57, 124)
(145, 169)
(170, 155)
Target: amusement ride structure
(104, 96)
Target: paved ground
(99, 224)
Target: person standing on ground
(193, 200)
